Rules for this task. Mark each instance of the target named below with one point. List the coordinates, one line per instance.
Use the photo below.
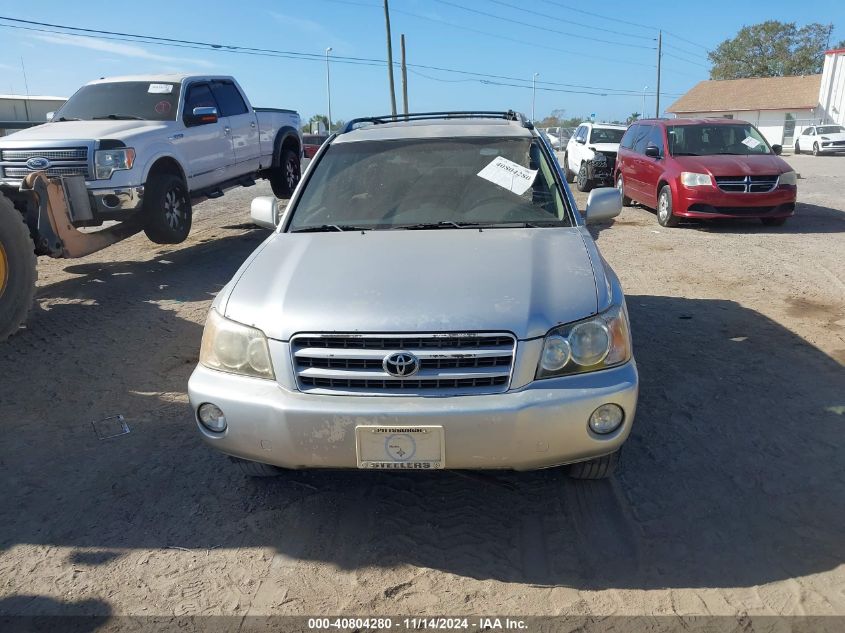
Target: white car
(591, 154)
(821, 139)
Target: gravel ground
(730, 500)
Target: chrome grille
(52, 172)
(449, 364)
(71, 153)
(747, 184)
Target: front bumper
(117, 201)
(713, 203)
(541, 425)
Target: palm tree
(633, 117)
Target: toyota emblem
(401, 364)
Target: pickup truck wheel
(626, 201)
(285, 177)
(17, 269)
(257, 469)
(599, 468)
(583, 183)
(664, 208)
(167, 208)
(568, 173)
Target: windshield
(606, 135)
(708, 140)
(431, 183)
(830, 129)
(140, 100)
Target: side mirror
(603, 204)
(264, 212)
(652, 151)
(777, 149)
(49, 116)
(580, 140)
(201, 116)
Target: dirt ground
(730, 500)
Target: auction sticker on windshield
(508, 174)
(749, 142)
(400, 448)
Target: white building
(780, 107)
(17, 110)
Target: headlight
(692, 179)
(108, 161)
(597, 343)
(235, 348)
(789, 178)
(824, 138)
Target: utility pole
(26, 87)
(533, 93)
(404, 77)
(642, 112)
(390, 59)
(659, 56)
(329, 90)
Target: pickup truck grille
(448, 364)
(64, 161)
(747, 184)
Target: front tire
(17, 269)
(285, 177)
(583, 183)
(599, 468)
(664, 208)
(816, 150)
(568, 173)
(257, 469)
(167, 208)
(620, 185)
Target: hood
(605, 147)
(523, 281)
(726, 165)
(83, 130)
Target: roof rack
(510, 115)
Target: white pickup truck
(151, 144)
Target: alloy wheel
(663, 207)
(174, 208)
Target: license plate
(400, 447)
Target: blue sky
(565, 41)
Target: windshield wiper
(450, 224)
(684, 154)
(68, 118)
(324, 228)
(118, 117)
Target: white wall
(832, 91)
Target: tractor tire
(167, 210)
(285, 177)
(17, 269)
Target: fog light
(212, 417)
(606, 419)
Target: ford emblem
(38, 162)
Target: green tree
(634, 116)
(771, 49)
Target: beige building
(18, 111)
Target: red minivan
(704, 169)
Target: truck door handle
(227, 129)
(252, 124)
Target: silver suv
(429, 299)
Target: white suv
(591, 154)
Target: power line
(688, 61)
(603, 17)
(538, 27)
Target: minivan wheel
(598, 468)
(583, 183)
(568, 173)
(257, 469)
(664, 208)
(626, 201)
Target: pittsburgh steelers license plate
(400, 447)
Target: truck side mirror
(264, 212)
(201, 116)
(603, 204)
